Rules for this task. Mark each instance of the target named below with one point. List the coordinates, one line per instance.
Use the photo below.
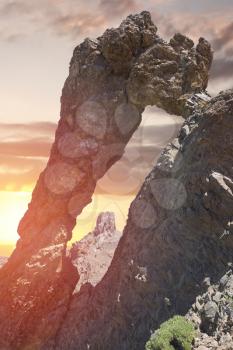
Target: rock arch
(111, 80)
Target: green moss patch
(174, 334)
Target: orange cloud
(75, 25)
(25, 148)
(224, 37)
(118, 7)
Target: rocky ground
(212, 314)
(93, 254)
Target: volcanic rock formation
(176, 231)
(179, 232)
(93, 254)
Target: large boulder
(110, 82)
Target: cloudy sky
(36, 43)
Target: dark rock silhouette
(175, 233)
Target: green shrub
(176, 333)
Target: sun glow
(14, 204)
(12, 207)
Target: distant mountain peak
(93, 254)
(105, 223)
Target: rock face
(93, 254)
(170, 237)
(179, 232)
(212, 314)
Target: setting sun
(12, 207)
(14, 204)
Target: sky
(37, 39)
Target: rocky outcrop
(110, 82)
(179, 232)
(208, 325)
(212, 314)
(93, 254)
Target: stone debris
(212, 315)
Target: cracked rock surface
(169, 241)
(179, 231)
